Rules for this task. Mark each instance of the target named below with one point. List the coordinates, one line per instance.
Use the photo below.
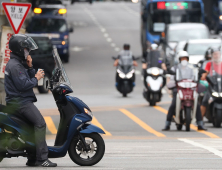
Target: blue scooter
(75, 133)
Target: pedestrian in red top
(212, 68)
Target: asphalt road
(134, 139)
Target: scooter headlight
(121, 74)
(130, 74)
(215, 94)
(155, 71)
(88, 112)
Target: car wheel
(66, 58)
(43, 89)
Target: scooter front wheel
(87, 158)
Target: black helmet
(126, 46)
(208, 54)
(19, 42)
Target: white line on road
(106, 35)
(103, 30)
(91, 168)
(130, 10)
(137, 72)
(210, 149)
(117, 49)
(109, 39)
(113, 44)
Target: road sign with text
(16, 14)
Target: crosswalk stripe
(96, 123)
(211, 135)
(141, 123)
(50, 124)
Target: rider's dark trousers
(172, 109)
(32, 114)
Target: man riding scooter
(20, 79)
(214, 65)
(153, 73)
(186, 72)
(125, 52)
(208, 57)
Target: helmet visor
(29, 43)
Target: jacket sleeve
(21, 80)
(31, 72)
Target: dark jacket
(19, 82)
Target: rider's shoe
(31, 162)
(200, 127)
(167, 126)
(46, 163)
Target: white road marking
(105, 35)
(77, 49)
(210, 149)
(91, 168)
(113, 44)
(128, 9)
(102, 29)
(137, 72)
(109, 39)
(164, 91)
(117, 49)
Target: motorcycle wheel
(124, 95)
(87, 158)
(179, 127)
(1, 158)
(188, 118)
(217, 118)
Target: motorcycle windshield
(214, 67)
(187, 72)
(154, 59)
(126, 61)
(58, 65)
(125, 68)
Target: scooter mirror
(137, 58)
(114, 58)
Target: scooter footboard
(88, 128)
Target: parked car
(43, 58)
(50, 9)
(197, 48)
(56, 28)
(182, 32)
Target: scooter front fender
(88, 128)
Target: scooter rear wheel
(93, 156)
(1, 158)
(217, 118)
(188, 118)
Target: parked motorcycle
(154, 78)
(125, 75)
(186, 100)
(75, 133)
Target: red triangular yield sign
(16, 14)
